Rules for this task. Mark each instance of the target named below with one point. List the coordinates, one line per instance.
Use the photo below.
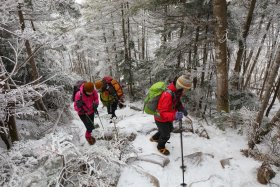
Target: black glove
(185, 112)
(95, 106)
(79, 103)
(121, 105)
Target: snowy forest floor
(36, 162)
(203, 163)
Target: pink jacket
(88, 101)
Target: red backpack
(115, 84)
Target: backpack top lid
(107, 79)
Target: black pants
(112, 107)
(88, 121)
(163, 134)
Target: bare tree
(241, 42)
(34, 73)
(271, 80)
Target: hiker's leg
(88, 121)
(164, 130)
(114, 107)
(155, 137)
(109, 108)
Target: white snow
(241, 172)
(201, 156)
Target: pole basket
(183, 184)
(183, 168)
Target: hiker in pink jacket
(86, 103)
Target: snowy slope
(39, 162)
(201, 172)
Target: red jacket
(167, 105)
(88, 101)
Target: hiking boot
(91, 140)
(164, 151)
(153, 140)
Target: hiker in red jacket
(170, 108)
(86, 103)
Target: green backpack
(152, 98)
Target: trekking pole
(183, 167)
(100, 120)
(93, 122)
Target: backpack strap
(171, 93)
(111, 89)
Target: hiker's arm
(77, 98)
(165, 107)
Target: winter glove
(95, 106)
(179, 115)
(185, 112)
(121, 105)
(79, 103)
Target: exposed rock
(197, 158)
(153, 180)
(225, 162)
(152, 158)
(265, 173)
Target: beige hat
(184, 82)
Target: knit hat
(184, 82)
(98, 84)
(88, 87)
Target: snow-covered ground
(37, 162)
(203, 169)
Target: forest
(230, 48)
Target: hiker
(111, 94)
(170, 108)
(86, 103)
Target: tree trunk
(179, 57)
(105, 42)
(129, 55)
(205, 54)
(195, 49)
(126, 51)
(264, 131)
(257, 55)
(269, 61)
(248, 59)
(34, 74)
(241, 42)
(274, 97)
(271, 79)
(11, 121)
(220, 14)
(164, 35)
(143, 37)
(117, 73)
(4, 132)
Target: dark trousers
(111, 108)
(163, 134)
(88, 121)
